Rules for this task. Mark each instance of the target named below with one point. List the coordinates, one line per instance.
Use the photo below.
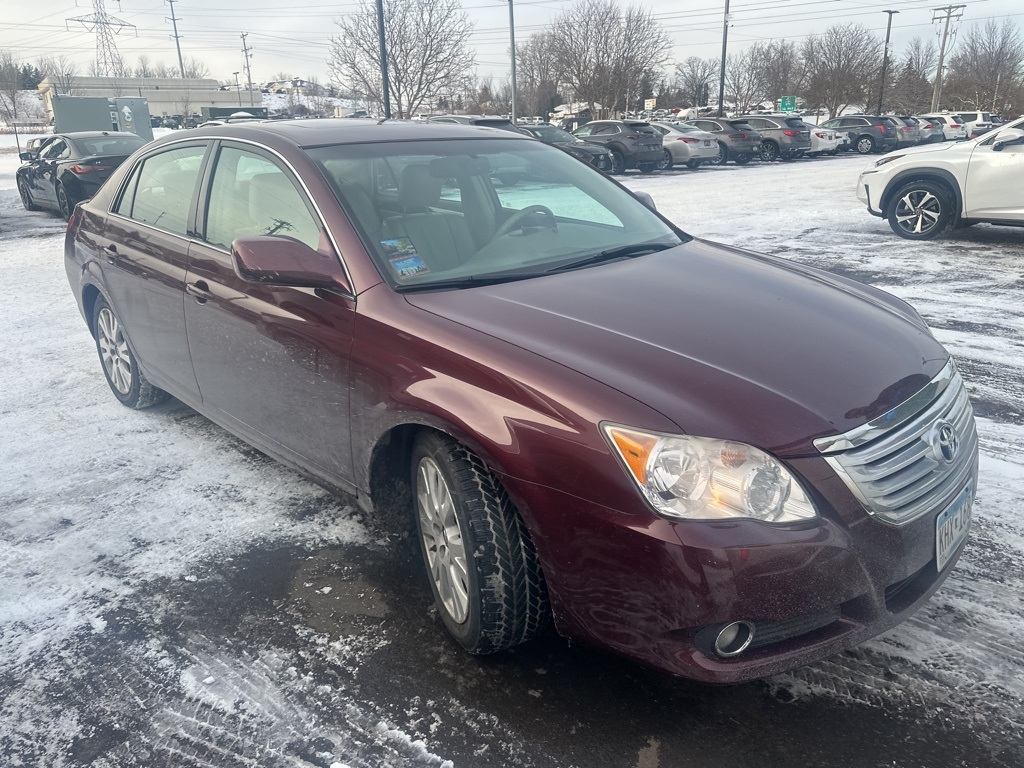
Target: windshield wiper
(622, 252)
(469, 281)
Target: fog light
(734, 638)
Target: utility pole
(721, 71)
(238, 88)
(512, 45)
(885, 60)
(951, 12)
(383, 60)
(177, 38)
(247, 54)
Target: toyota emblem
(944, 442)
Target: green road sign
(788, 104)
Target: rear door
(995, 182)
(144, 258)
(44, 170)
(272, 362)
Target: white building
(166, 95)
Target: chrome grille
(900, 466)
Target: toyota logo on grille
(944, 442)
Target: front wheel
(723, 155)
(769, 151)
(666, 161)
(483, 569)
(120, 367)
(618, 164)
(742, 159)
(920, 210)
(26, 196)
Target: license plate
(707, 143)
(952, 526)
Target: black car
(69, 167)
(633, 143)
(597, 156)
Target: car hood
(584, 147)
(925, 149)
(725, 343)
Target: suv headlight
(886, 160)
(698, 478)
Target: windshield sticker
(403, 257)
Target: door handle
(200, 290)
(111, 253)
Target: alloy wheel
(63, 203)
(114, 352)
(442, 540)
(918, 212)
(769, 151)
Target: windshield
(110, 145)
(553, 135)
(435, 212)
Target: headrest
(418, 190)
(361, 206)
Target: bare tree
(988, 60)
(604, 52)
(61, 71)
(10, 84)
(537, 75)
(428, 51)
(841, 66)
(143, 68)
(921, 57)
(695, 76)
(194, 68)
(909, 90)
(781, 69)
(744, 79)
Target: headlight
(697, 478)
(886, 160)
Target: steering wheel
(515, 221)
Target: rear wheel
(723, 155)
(865, 145)
(618, 164)
(64, 202)
(769, 151)
(741, 159)
(920, 210)
(646, 167)
(484, 573)
(119, 365)
(26, 196)
(666, 161)
(693, 165)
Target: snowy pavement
(170, 597)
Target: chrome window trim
(211, 138)
(893, 418)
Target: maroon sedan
(718, 463)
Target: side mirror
(1008, 138)
(27, 157)
(646, 199)
(278, 260)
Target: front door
(272, 362)
(995, 183)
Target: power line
(951, 12)
(108, 60)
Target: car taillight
(955, 125)
(633, 137)
(905, 128)
(688, 140)
(90, 168)
(819, 135)
(881, 128)
(737, 135)
(791, 133)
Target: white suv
(923, 191)
(952, 128)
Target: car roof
(314, 133)
(73, 135)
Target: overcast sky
(296, 40)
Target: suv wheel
(666, 162)
(741, 159)
(865, 145)
(618, 164)
(769, 151)
(723, 154)
(920, 210)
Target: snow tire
(118, 361)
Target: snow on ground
(115, 524)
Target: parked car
(976, 123)
(952, 128)
(868, 133)
(907, 132)
(825, 141)
(69, 167)
(633, 143)
(783, 137)
(656, 481)
(931, 130)
(927, 190)
(737, 139)
(597, 156)
(686, 145)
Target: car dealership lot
(171, 597)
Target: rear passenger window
(160, 192)
(251, 195)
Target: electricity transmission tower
(108, 61)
